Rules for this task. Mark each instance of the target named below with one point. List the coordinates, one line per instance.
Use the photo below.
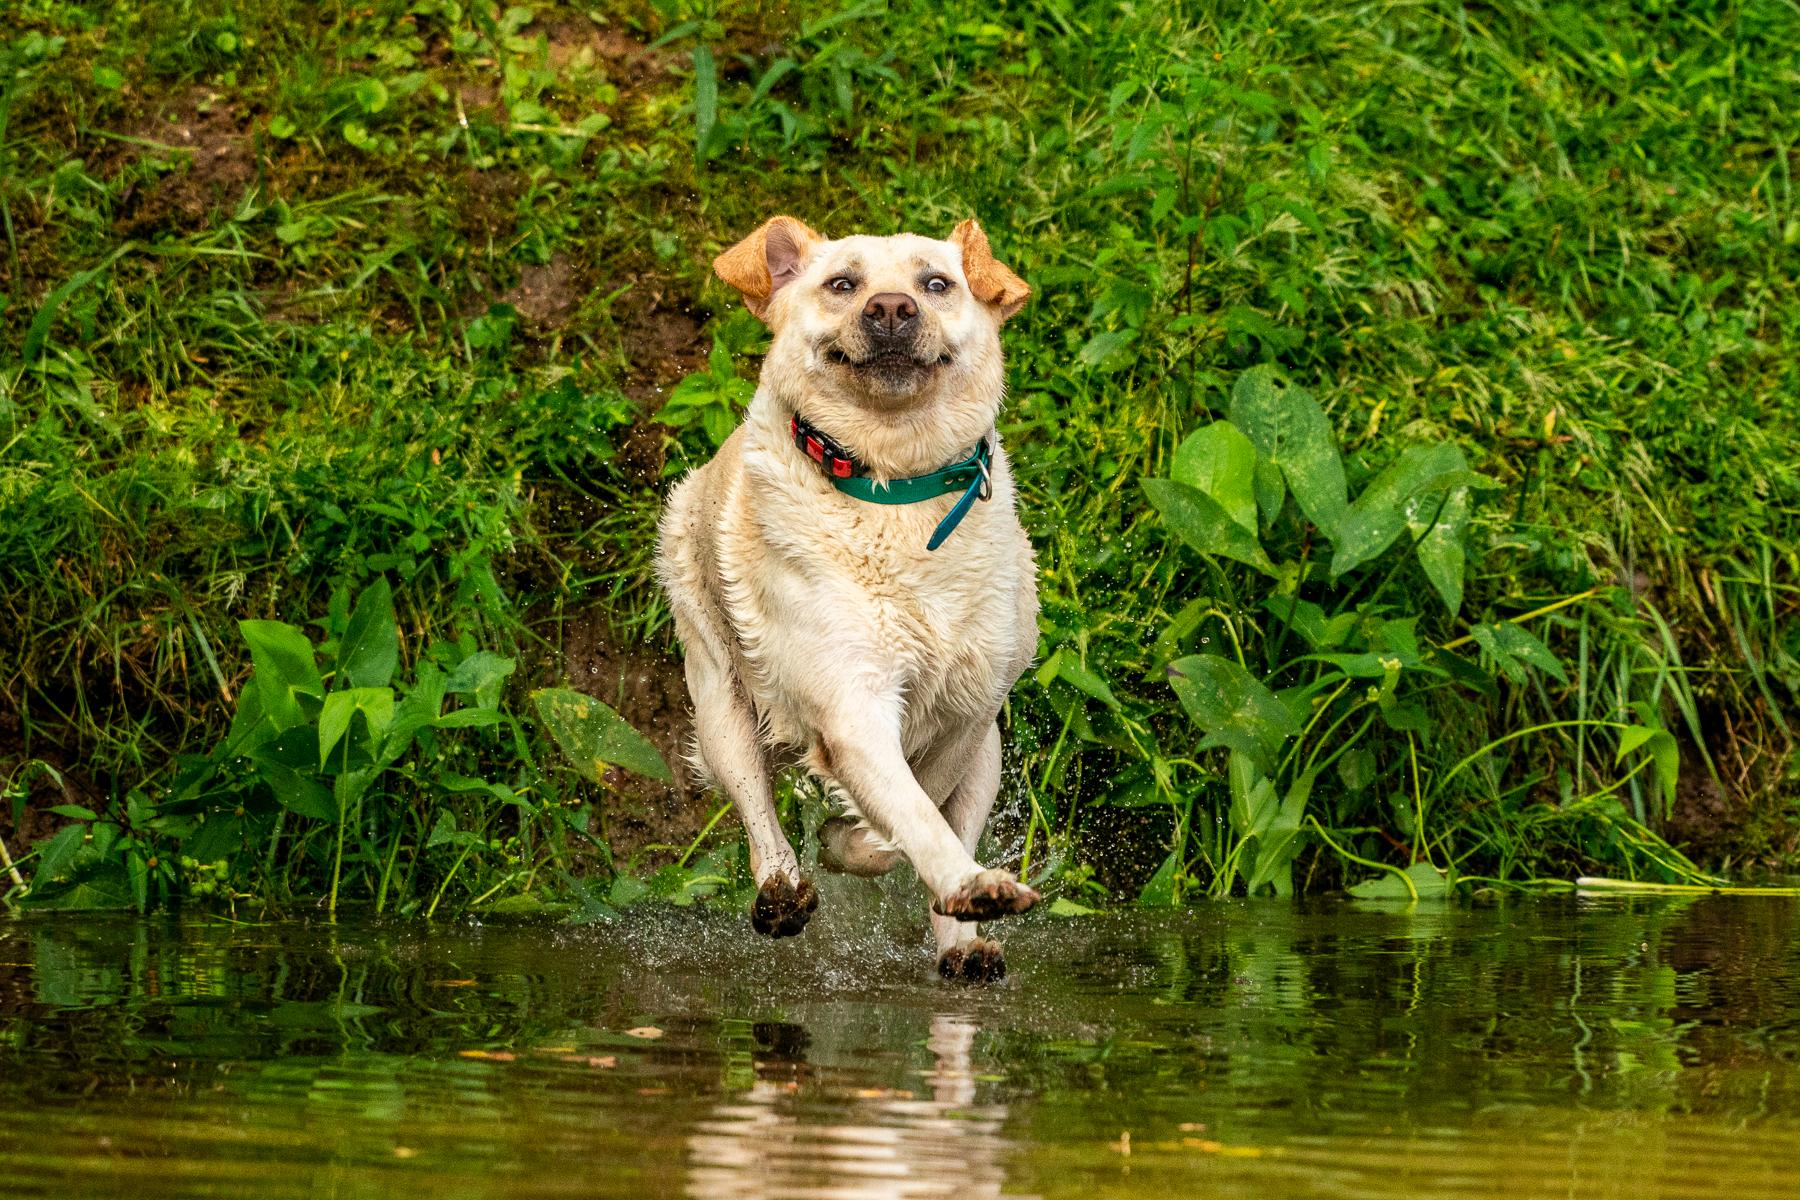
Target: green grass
(293, 297)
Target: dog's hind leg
(848, 846)
(962, 952)
(732, 751)
(860, 750)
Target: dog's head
(893, 321)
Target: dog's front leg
(860, 750)
(962, 952)
(730, 746)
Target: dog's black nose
(889, 314)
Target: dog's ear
(989, 278)
(771, 257)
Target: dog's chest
(946, 624)
(939, 629)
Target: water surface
(1642, 1049)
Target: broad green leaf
(468, 718)
(95, 885)
(75, 812)
(1290, 430)
(1379, 514)
(444, 832)
(1440, 543)
(1630, 739)
(478, 673)
(1232, 706)
(370, 649)
(1062, 906)
(1310, 622)
(1085, 680)
(1198, 520)
(595, 737)
(300, 793)
(1271, 489)
(1220, 461)
(1665, 755)
(1356, 770)
(376, 704)
(1253, 802)
(1279, 842)
(1406, 718)
(249, 725)
(285, 669)
(1429, 882)
(450, 781)
(58, 852)
(1513, 649)
(1159, 891)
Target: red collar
(818, 445)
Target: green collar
(973, 477)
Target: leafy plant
(713, 400)
(337, 752)
(1361, 670)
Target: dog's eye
(841, 283)
(937, 285)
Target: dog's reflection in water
(795, 1137)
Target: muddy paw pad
(781, 908)
(989, 895)
(978, 962)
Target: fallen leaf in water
(453, 983)
(591, 1060)
(405, 1152)
(1212, 1147)
(653, 1091)
(1192, 1127)
(489, 1055)
(647, 1032)
(553, 1049)
(882, 1094)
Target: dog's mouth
(886, 361)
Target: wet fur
(817, 625)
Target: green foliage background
(298, 297)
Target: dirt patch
(42, 790)
(664, 343)
(646, 687)
(215, 157)
(547, 296)
(627, 62)
(1705, 821)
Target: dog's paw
(782, 908)
(985, 896)
(980, 961)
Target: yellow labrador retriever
(848, 578)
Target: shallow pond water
(1551, 1048)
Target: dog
(848, 577)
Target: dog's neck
(890, 445)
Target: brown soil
(215, 156)
(1705, 821)
(664, 343)
(547, 295)
(646, 687)
(41, 790)
(628, 63)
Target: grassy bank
(1465, 338)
